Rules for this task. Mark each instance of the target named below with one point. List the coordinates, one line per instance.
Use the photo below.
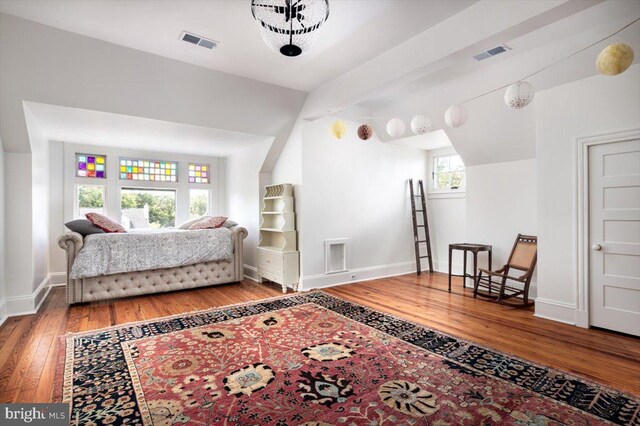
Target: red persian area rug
(313, 359)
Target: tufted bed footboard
(151, 281)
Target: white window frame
(434, 192)
(123, 186)
(76, 194)
(113, 184)
(193, 187)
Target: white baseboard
(251, 272)
(3, 311)
(582, 318)
(556, 311)
(442, 266)
(28, 304)
(362, 274)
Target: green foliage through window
(448, 172)
(154, 208)
(90, 196)
(198, 202)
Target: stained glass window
(198, 173)
(91, 166)
(147, 170)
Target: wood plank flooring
(29, 344)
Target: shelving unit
(278, 257)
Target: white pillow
(188, 223)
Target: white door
(614, 236)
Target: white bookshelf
(278, 257)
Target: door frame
(582, 215)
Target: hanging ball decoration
(614, 59)
(338, 129)
(455, 116)
(290, 27)
(365, 132)
(519, 95)
(420, 124)
(395, 127)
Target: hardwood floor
(29, 344)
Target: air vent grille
(197, 40)
(491, 52)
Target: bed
(98, 275)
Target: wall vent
(335, 255)
(200, 41)
(491, 52)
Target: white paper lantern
(519, 95)
(420, 124)
(455, 116)
(395, 127)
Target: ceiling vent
(491, 52)
(200, 41)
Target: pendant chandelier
(290, 26)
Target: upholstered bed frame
(152, 281)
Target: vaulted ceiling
(355, 32)
(390, 58)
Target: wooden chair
(523, 258)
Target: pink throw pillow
(104, 223)
(210, 222)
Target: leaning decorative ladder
(277, 250)
(416, 227)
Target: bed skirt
(151, 281)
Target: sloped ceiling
(50, 66)
(441, 71)
(423, 74)
(154, 26)
(494, 132)
(82, 126)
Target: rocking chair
(523, 258)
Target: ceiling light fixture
(290, 26)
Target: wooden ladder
(416, 226)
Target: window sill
(446, 194)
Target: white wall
(447, 224)
(18, 225)
(46, 65)
(501, 203)
(592, 106)
(244, 187)
(357, 190)
(447, 219)
(288, 169)
(43, 64)
(39, 199)
(57, 256)
(2, 239)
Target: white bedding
(105, 254)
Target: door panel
(614, 236)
